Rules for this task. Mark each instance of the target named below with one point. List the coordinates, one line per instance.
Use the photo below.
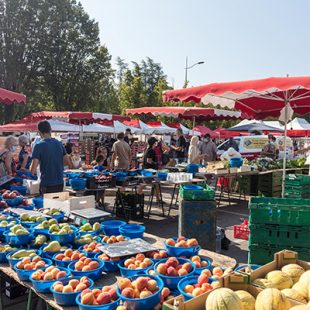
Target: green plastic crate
(280, 211)
(197, 195)
(297, 180)
(264, 253)
(280, 234)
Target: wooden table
(107, 279)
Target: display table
(107, 279)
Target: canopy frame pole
(286, 100)
(194, 124)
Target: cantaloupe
(305, 278)
(264, 283)
(289, 292)
(247, 300)
(223, 299)
(300, 307)
(271, 299)
(294, 271)
(279, 279)
(301, 289)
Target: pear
(52, 221)
(15, 228)
(4, 223)
(53, 246)
(24, 217)
(54, 228)
(21, 232)
(96, 226)
(32, 218)
(39, 219)
(19, 254)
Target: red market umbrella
(258, 98)
(224, 133)
(204, 130)
(10, 97)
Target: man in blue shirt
(51, 155)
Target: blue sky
(237, 39)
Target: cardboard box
(67, 203)
(234, 281)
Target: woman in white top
(193, 152)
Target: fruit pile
(7, 194)
(25, 217)
(137, 262)
(202, 286)
(92, 247)
(85, 239)
(40, 240)
(46, 224)
(33, 263)
(6, 248)
(86, 264)
(73, 285)
(50, 273)
(105, 257)
(54, 247)
(69, 255)
(7, 224)
(53, 211)
(157, 254)
(103, 296)
(113, 239)
(173, 268)
(60, 229)
(23, 253)
(90, 228)
(18, 230)
(217, 272)
(182, 242)
(199, 263)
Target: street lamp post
(190, 67)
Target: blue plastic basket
(13, 202)
(111, 227)
(44, 286)
(21, 189)
(59, 217)
(21, 173)
(110, 306)
(64, 238)
(209, 265)
(68, 299)
(61, 263)
(125, 272)
(109, 265)
(147, 303)
(242, 268)
(93, 274)
(78, 184)
(193, 168)
(236, 162)
(162, 176)
(132, 230)
(180, 251)
(38, 202)
(29, 225)
(7, 228)
(146, 173)
(190, 281)
(3, 256)
(51, 254)
(40, 231)
(13, 261)
(172, 281)
(88, 254)
(17, 240)
(24, 275)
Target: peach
(152, 285)
(67, 289)
(147, 261)
(74, 283)
(60, 256)
(215, 284)
(80, 287)
(163, 253)
(197, 291)
(171, 271)
(85, 281)
(195, 258)
(49, 269)
(216, 277)
(128, 262)
(81, 255)
(157, 256)
(123, 283)
(152, 273)
(188, 289)
(86, 261)
(182, 272)
(36, 259)
(207, 272)
(137, 263)
(75, 256)
(58, 287)
(60, 274)
(26, 260)
(105, 288)
(136, 293)
(88, 299)
(66, 259)
(132, 266)
(206, 287)
(68, 252)
(104, 298)
(112, 293)
(78, 266)
(170, 242)
(96, 292)
(187, 266)
(203, 278)
(82, 259)
(86, 291)
(228, 270)
(120, 238)
(181, 244)
(180, 238)
(28, 267)
(197, 264)
(204, 263)
(36, 276)
(145, 294)
(161, 268)
(93, 265)
(217, 271)
(143, 265)
(172, 262)
(20, 265)
(140, 257)
(165, 292)
(48, 276)
(39, 264)
(86, 268)
(54, 272)
(128, 292)
(191, 242)
(141, 283)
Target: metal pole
(284, 158)
(194, 121)
(186, 67)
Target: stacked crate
(277, 224)
(297, 186)
(270, 184)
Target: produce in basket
(92, 247)
(54, 246)
(113, 239)
(198, 262)
(18, 230)
(6, 248)
(61, 229)
(85, 239)
(23, 253)
(46, 224)
(69, 255)
(40, 240)
(10, 194)
(137, 262)
(7, 224)
(97, 296)
(53, 211)
(182, 242)
(105, 257)
(73, 285)
(25, 217)
(247, 300)
(201, 286)
(86, 264)
(50, 273)
(271, 298)
(33, 263)
(90, 228)
(224, 299)
(160, 254)
(172, 267)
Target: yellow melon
(263, 283)
(271, 299)
(289, 292)
(279, 279)
(294, 271)
(300, 307)
(305, 278)
(301, 289)
(223, 299)
(247, 300)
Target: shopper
(121, 157)
(6, 155)
(194, 152)
(128, 136)
(208, 149)
(270, 149)
(103, 161)
(180, 146)
(150, 160)
(51, 155)
(24, 158)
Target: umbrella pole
(284, 157)
(194, 121)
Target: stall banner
(253, 143)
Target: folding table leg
(151, 200)
(29, 302)
(173, 193)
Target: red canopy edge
(10, 97)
